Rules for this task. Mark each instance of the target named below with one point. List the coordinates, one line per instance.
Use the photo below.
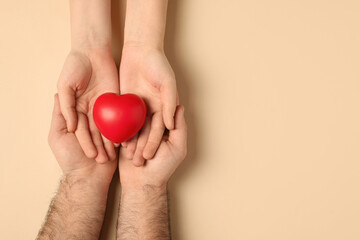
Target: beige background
(272, 91)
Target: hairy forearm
(77, 210)
(145, 22)
(144, 214)
(90, 24)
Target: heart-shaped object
(119, 117)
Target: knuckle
(101, 158)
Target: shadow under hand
(118, 8)
(185, 88)
(108, 230)
(109, 227)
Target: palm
(156, 171)
(143, 74)
(87, 77)
(69, 163)
(69, 153)
(102, 74)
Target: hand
(71, 157)
(146, 72)
(157, 170)
(85, 76)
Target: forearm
(90, 24)
(144, 214)
(145, 22)
(77, 211)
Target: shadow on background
(118, 8)
(184, 80)
(186, 90)
(108, 230)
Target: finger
(124, 144)
(101, 156)
(178, 136)
(123, 160)
(109, 148)
(58, 123)
(168, 99)
(131, 147)
(84, 137)
(138, 159)
(67, 104)
(155, 137)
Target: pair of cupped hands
(148, 158)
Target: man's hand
(70, 155)
(157, 170)
(144, 206)
(78, 209)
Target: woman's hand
(84, 77)
(146, 72)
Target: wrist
(88, 181)
(143, 45)
(89, 46)
(143, 193)
(90, 24)
(145, 23)
(141, 51)
(143, 189)
(90, 55)
(91, 50)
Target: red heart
(119, 117)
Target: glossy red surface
(119, 117)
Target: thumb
(178, 136)
(169, 99)
(58, 123)
(67, 104)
